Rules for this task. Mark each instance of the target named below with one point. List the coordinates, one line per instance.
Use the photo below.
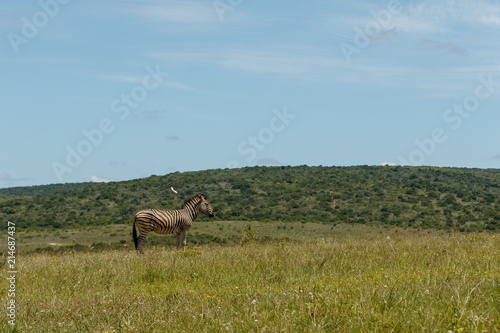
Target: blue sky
(117, 90)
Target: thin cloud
(121, 78)
(449, 48)
(149, 115)
(284, 60)
(168, 84)
(490, 20)
(280, 63)
(447, 15)
(114, 77)
(385, 36)
(152, 115)
(408, 24)
(317, 64)
(116, 163)
(173, 11)
(409, 20)
(6, 178)
(304, 62)
(180, 86)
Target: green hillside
(26, 191)
(417, 197)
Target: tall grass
(408, 283)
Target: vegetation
(203, 232)
(26, 191)
(379, 280)
(415, 197)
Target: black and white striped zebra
(170, 221)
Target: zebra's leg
(178, 243)
(184, 234)
(181, 240)
(140, 239)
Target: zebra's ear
(202, 196)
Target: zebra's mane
(197, 198)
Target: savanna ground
(317, 278)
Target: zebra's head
(204, 206)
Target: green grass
(231, 231)
(355, 281)
(27, 241)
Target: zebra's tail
(134, 233)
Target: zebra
(170, 221)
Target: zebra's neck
(192, 209)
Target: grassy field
(345, 279)
(28, 241)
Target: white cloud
(427, 17)
(387, 163)
(282, 59)
(407, 23)
(447, 14)
(490, 19)
(5, 177)
(97, 179)
(180, 86)
(264, 62)
(120, 78)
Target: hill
(418, 197)
(26, 191)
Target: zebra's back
(160, 221)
